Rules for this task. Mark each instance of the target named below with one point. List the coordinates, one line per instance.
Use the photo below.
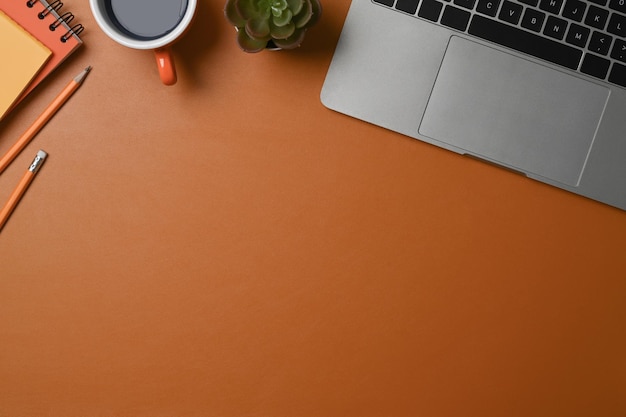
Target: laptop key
(525, 42)
(577, 35)
(555, 27)
(385, 2)
(595, 66)
(618, 75)
(407, 6)
(488, 7)
(430, 10)
(574, 10)
(468, 4)
(551, 6)
(617, 25)
(619, 50)
(533, 20)
(510, 12)
(455, 18)
(596, 17)
(600, 43)
(619, 5)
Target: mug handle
(165, 63)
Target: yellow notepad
(23, 56)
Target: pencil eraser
(34, 167)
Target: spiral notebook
(51, 26)
(28, 57)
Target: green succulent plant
(283, 22)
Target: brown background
(229, 247)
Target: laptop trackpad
(513, 111)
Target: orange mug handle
(165, 63)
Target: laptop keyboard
(583, 35)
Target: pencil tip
(80, 77)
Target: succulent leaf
(248, 9)
(283, 19)
(295, 6)
(283, 32)
(258, 28)
(278, 7)
(249, 44)
(233, 16)
(317, 12)
(303, 18)
(293, 41)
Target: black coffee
(146, 19)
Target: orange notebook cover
(52, 27)
(25, 56)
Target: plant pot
(271, 46)
(284, 22)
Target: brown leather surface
(229, 247)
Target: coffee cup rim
(125, 40)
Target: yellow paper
(22, 57)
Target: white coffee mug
(147, 24)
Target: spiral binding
(66, 18)
(55, 5)
(74, 30)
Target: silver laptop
(536, 86)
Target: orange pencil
(43, 119)
(21, 188)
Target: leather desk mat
(229, 247)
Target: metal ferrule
(34, 167)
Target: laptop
(534, 86)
